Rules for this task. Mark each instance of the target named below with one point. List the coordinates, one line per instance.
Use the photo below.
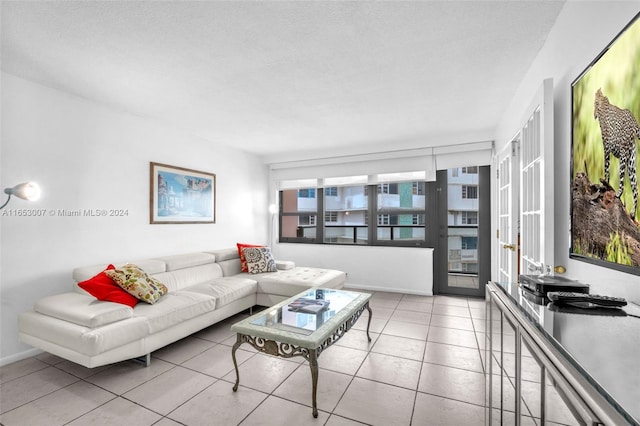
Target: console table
(549, 364)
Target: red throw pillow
(243, 260)
(102, 287)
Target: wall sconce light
(29, 191)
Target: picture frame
(605, 97)
(179, 195)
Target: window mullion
(320, 216)
(373, 215)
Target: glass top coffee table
(304, 325)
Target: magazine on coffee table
(308, 306)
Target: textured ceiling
(287, 78)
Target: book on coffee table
(308, 306)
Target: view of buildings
(462, 200)
(400, 212)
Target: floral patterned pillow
(243, 260)
(138, 283)
(259, 259)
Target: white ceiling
(287, 78)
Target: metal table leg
(313, 363)
(369, 321)
(235, 362)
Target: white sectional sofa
(204, 288)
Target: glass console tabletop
(303, 325)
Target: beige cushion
(174, 308)
(150, 266)
(231, 267)
(227, 289)
(182, 261)
(225, 254)
(82, 310)
(177, 280)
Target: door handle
(511, 247)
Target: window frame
(330, 216)
(466, 189)
(464, 218)
(331, 191)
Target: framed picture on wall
(605, 218)
(180, 195)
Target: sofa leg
(144, 359)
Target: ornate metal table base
(287, 350)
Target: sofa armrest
(82, 310)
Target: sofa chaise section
(289, 280)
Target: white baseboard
(19, 356)
(365, 287)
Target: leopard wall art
(619, 130)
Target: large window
(340, 215)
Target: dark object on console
(583, 300)
(597, 311)
(540, 285)
(533, 297)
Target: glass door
(507, 189)
(463, 250)
(537, 183)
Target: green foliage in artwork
(618, 251)
(577, 247)
(616, 75)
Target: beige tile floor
(423, 367)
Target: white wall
(87, 156)
(582, 30)
(395, 269)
